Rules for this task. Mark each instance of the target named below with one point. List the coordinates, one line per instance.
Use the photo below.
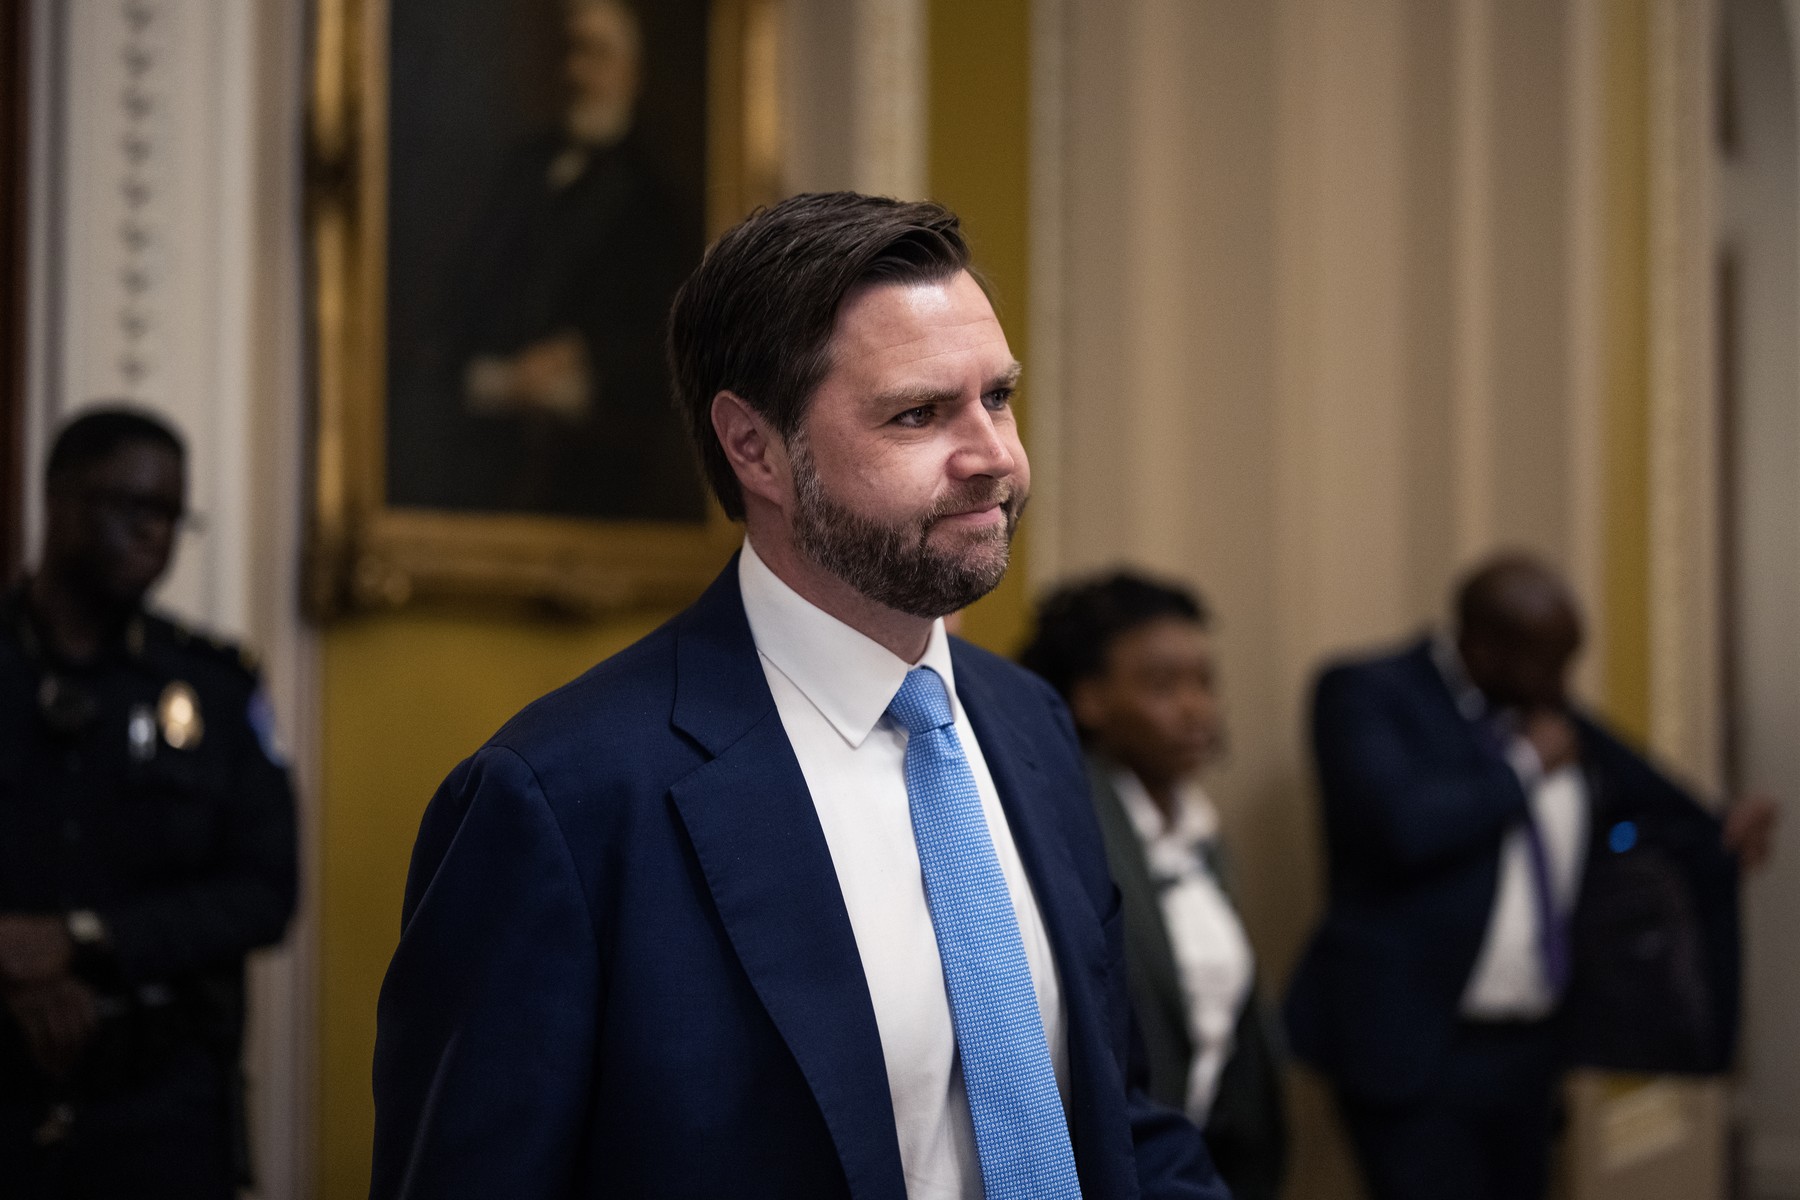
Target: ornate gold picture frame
(410, 423)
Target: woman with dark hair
(1134, 660)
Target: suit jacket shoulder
(604, 721)
(1029, 698)
(1409, 673)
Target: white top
(832, 686)
(1213, 959)
(1508, 982)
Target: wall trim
(1586, 300)
(1685, 631)
(890, 109)
(1472, 275)
(44, 238)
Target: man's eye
(998, 399)
(914, 418)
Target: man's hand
(34, 948)
(1750, 829)
(552, 375)
(1552, 734)
(58, 1018)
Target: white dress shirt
(832, 686)
(1508, 982)
(1213, 960)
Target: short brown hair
(756, 317)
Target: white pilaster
(1684, 555)
(1472, 279)
(890, 108)
(1586, 292)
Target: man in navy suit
(796, 897)
(1496, 859)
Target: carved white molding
(123, 50)
(136, 295)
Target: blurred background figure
(146, 846)
(1134, 660)
(1512, 889)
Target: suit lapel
(1013, 761)
(1070, 921)
(1145, 932)
(756, 835)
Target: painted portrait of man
(545, 203)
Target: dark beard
(894, 564)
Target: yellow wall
(979, 163)
(406, 696)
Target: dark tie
(1553, 933)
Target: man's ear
(757, 454)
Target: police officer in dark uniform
(147, 844)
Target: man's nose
(982, 449)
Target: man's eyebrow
(914, 397)
(923, 397)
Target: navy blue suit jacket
(626, 969)
(1416, 807)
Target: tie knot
(922, 702)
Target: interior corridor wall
(1329, 325)
(1303, 367)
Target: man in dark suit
(1133, 658)
(795, 897)
(1495, 857)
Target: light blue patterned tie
(1020, 1132)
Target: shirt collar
(1196, 820)
(845, 674)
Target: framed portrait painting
(505, 196)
